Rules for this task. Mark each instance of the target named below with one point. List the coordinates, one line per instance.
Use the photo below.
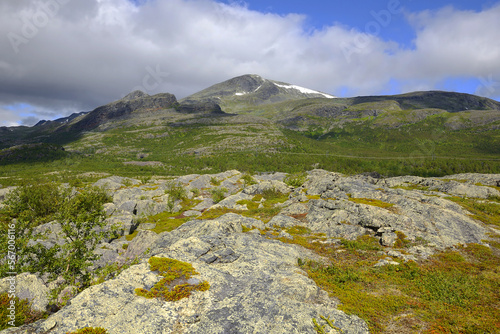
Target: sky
(58, 57)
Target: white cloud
(75, 55)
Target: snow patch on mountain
(305, 90)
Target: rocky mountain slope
(250, 243)
(253, 90)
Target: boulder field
(256, 285)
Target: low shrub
(296, 180)
(218, 194)
(23, 313)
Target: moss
(364, 242)
(373, 202)
(298, 230)
(131, 236)
(313, 196)
(250, 204)
(245, 229)
(90, 330)
(173, 286)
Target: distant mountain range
(364, 125)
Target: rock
(51, 233)
(125, 222)
(143, 241)
(109, 208)
(115, 182)
(484, 179)
(199, 107)
(4, 192)
(388, 239)
(385, 262)
(271, 177)
(469, 190)
(267, 185)
(248, 275)
(205, 204)
(230, 202)
(286, 235)
(66, 294)
(284, 221)
(27, 286)
(128, 207)
(295, 209)
(147, 208)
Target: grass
(424, 148)
(487, 212)
(373, 202)
(455, 291)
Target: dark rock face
(199, 107)
(134, 101)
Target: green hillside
(422, 133)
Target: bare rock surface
(255, 287)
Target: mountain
(252, 123)
(251, 89)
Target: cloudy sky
(63, 56)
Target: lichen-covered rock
(27, 286)
(255, 287)
(255, 284)
(267, 185)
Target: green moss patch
(373, 202)
(174, 284)
(90, 330)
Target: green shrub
(215, 181)
(248, 180)
(36, 203)
(296, 180)
(364, 242)
(176, 191)
(218, 194)
(272, 193)
(81, 216)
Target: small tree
(82, 221)
(81, 216)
